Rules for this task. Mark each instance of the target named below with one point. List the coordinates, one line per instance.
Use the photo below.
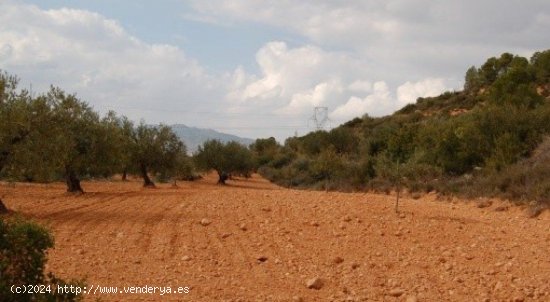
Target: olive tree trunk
(73, 182)
(3, 208)
(222, 177)
(147, 182)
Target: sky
(259, 68)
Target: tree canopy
(224, 158)
(155, 149)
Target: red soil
(263, 243)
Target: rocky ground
(253, 241)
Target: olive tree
(225, 159)
(28, 148)
(14, 117)
(87, 146)
(154, 149)
(121, 130)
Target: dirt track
(119, 234)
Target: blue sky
(216, 47)
(259, 68)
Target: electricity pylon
(320, 117)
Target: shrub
(526, 180)
(22, 259)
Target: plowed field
(259, 242)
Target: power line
(260, 128)
(320, 118)
(187, 111)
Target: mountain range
(194, 137)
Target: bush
(22, 259)
(527, 180)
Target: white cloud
(292, 70)
(378, 103)
(318, 20)
(381, 101)
(320, 95)
(402, 40)
(294, 80)
(359, 23)
(84, 52)
(360, 86)
(409, 92)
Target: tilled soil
(253, 241)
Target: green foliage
(119, 132)
(283, 158)
(156, 149)
(240, 157)
(313, 143)
(439, 142)
(22, 259)
(400, 144)
(52, 136)
(342, 140)
(86, 145)
(516, 85)
(23, 253)
(472, 81)
(453, 145)
(211, 156)
(23, 121)
(228, 158)
(489, 71)
(526, 180)
(56, 135)
(182, 168)
(541, 63)
(326, 165)
(265, 150)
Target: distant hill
(194, 137)
(483, 140)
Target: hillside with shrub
(478, 141)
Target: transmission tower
(320, 117)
